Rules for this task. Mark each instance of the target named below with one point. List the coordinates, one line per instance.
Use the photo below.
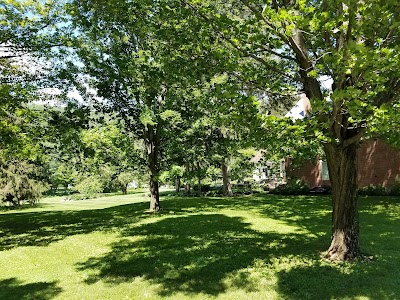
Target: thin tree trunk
(199, 186)
(153, 141)
(227, 189)
(177, 184)
(342, 165)
(124, 189)
(187, 185)
(187, 189)
(198, 179)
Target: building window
(324, 171)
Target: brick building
(378, 164)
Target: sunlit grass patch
(252, 247)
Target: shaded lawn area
(258, 247)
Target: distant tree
(111, 154)
(176, 172)
(19, 182)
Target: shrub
(242, 189)
(90, 187)
(213, 191)
(373, 190)
(78, 197)
(379, 190)
(18, 183)
(395, 188)
(123, 179)
(293, 187)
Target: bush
(395, 188)
(293, 187)
(90, 187)
(242, 188)
(123, 179)
(373, 190)
(379, 190)
(213, 191)
(78, 197)
(18, 183)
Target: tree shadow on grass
(311, 213)
(204, 253)
(44, 227)
(13, 289)
(199, 250)
(375, 279)
(363, 279)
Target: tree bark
(187, 189)
(198, 178)
(154, 194)
(342, 165)
(153, 143)
(187, 185)
(177, 184)
(124, 188)
(199, 186)
(227, 189)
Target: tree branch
(267, 22)
(235, 46)
(270, 51)
(388, 37)
(354, 138)
(390, 94)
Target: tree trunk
(124, 188)
(153, 141)
(342, 165)
(227, 189)
(187, 189)
(198, 178)
(199, 186)
(187, 185)
(177, 184)
(154, 194)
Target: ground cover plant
(259, 246)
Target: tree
(111, 154)
(29, 30)
(21, 156)
(176, 173)
(353, 43)
(142, 58)
(20, 181)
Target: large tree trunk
(153, 141)
(154, 194)
(227, 189)
(342, 165)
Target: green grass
(253, 247)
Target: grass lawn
(252, 247)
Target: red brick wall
(378, 164)
(309, 172)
